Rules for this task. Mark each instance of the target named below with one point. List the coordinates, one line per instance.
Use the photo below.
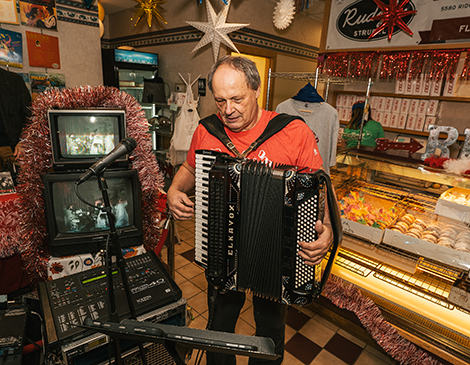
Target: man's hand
(179, 205)
(18, 150)
(314, 252)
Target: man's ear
(258, 92)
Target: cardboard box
(417, 86)
(427, 84)
(340, 100)
(411, 122)
(381, 103)
(379, 117)
(449, 87)
(409, 87)
(373, 100)
(432, 107)
(396, 106)
(405, 106)
(454, 209)
(430, 120)
(386, 119)
(400, 86)
(343, 114)
(423, 106)
(420, 120)
(402, 121)
(388, 105)
(414, 103)
(436, 87)
(351, 99)
(394, 120)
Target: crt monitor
(73, 227)
(80, 137)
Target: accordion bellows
(249, 220)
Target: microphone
(127, 145)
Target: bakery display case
(406, 245)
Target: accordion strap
(215, 127)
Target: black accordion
(249, 219)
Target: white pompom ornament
(283, 14)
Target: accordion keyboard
(203, 166)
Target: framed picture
(8, 12)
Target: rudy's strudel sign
(352, 22)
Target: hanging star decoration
(391, 16)
(150, 8)
(216, 30)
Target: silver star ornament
(216, 30)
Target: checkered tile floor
(310, 339)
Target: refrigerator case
(127, 70)
(421, 286)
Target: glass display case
(405, 247)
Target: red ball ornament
(391, 17)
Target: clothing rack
(309, 76)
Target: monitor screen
(72, 215)
(75, 227)
(81, 137)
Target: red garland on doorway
(37, 160)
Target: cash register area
(310, 338)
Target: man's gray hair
(242, 64)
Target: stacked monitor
(79, 138)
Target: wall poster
(11, 48)
(8, 12)
(42, 81)
(39, 13)
(43, 50)
(432, 22)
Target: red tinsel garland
(10, 233)
(392, 65)
(347, 296)
(465, 75)
(37, 160)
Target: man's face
(237, 103)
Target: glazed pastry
(420, 223)
(402, 225)
(446, 242)
(408, 219)
(414, 232)
(429, 237)
(398, 229)
(434, 227)
(417, 227)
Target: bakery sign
(352, 24)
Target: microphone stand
(121, 264)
